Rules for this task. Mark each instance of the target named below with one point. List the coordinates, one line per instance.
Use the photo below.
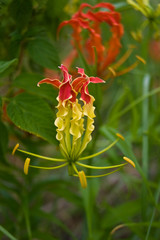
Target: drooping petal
(96, 80)
(65, 91)
(78, 83)
(85, 96)
(55, 82)
(66, 75)
(81, 71)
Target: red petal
(54, 82)
(81, 71)
(65, 91)
(105, 5)
(96, 80)
(66, 75)
(78, 83)
(85, 96)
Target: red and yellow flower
(92, 48)
(75, 124)
(71, 113)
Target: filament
(50, 168)
(43, 157)
(102, 175)
(106, 167)
(100, 152)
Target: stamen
(26, 165)
(141, 59)
(123, 58)
(100, 152)
(82, 178)
(50, 168)
(94, 167)
(129, 161)
(131, 67)
(126, 70)
(120, 136)
(15, 148)
(102, 175)
(74, 167)
(112, 71)
(42, 157)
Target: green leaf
(43, 235)
(3, 138)
(44, 53)
(3, 141)
(121, 6)
(33, 115)
(6, 67)
(6, 233)
(0, 103)
(28, 82)
(120, 213)
(51, 218)
(21, 11)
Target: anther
(141, 59)
(15, 148)
(120, 136)
(26, 165)
(82, 178)
(129, 161)
(112, 71)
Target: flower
(75, 124)
(93, 50)
(152, 17)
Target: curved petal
(85, 96)
(96, 80)
(66, 75)
(55, 82)
(65, 91)
(78, 83)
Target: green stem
(153, 214)
(145, 117)
(26, 215)
(139, 100)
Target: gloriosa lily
(75, 123)
(100, 55)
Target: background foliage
(51, 205)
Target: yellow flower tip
(112, 71)
(15, 148)
(141, 59)
(26, 165)
(120, 136)
(82, 178)
(129, 161)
